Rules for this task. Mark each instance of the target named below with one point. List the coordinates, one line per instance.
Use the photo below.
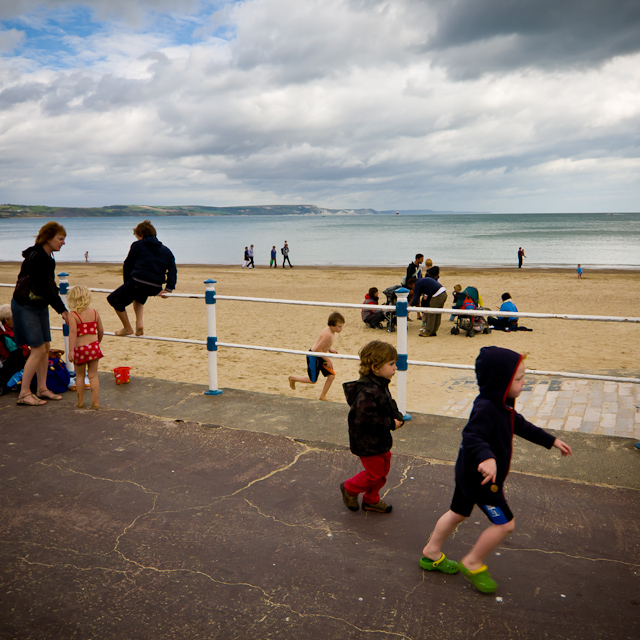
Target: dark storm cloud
(476, 36)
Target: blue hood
(495, 370)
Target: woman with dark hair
(145, 270)
(35, 290)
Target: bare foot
(292, 383)
(124, 331)
(80, 405)
(139, 331)
(95, 407)
(325, 400)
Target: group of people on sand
(483, 460)
(146, 269)
(249, 263)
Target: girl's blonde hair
(79, 298)
(375, 354)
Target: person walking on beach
(483, 464)
(35, 290)
(579, 270)
(372, 417)
(520, 257)
(85, 336)
(319, 364)
(250, 256)
(285, 253)
(272, 262)
(86, 256)
(146, 268)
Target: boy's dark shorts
(131, 291)
(498, 512)
(317, 365)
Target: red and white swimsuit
(91, 351)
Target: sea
(595, 240)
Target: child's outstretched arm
(565, 449)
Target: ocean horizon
(603, 240)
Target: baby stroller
(392, 298)
(470, 299)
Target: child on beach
(457, 292)
(319, 364)
(579, 270)
(272, 262)
(85, 325)
(373, 416)
(483, 464)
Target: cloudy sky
(483, 105)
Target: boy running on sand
(483, 464)
(319, 364)
(373, 416)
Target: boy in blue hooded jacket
(483, 464)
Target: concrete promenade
(174, 515)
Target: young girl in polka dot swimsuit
(85, 335)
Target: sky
(465, 105)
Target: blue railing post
(64, 289)
(212, 337)
(401, 314)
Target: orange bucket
(121, 374)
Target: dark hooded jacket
(372, 414)
(492, 424)
(41, 269)
(151, 262)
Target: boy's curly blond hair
(375, 354)
(79, 298)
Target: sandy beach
(558, 345)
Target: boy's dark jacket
(150, 261)
(372, 414)
(41, 269)
(493, 421)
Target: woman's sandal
(36, 401)
(442, 564)
(51, 396)
(480, 578)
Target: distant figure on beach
(369, 317)
(86, 256)
(319, 364)
(579, 270)
(85, 336)
(246, 257)
(372, 417)
(250, 255)
(413, 268)
(146, 268)
(272, 262)
(435, 295)
(520, 257)
(505, 323)
(285, 253)
(483, 464)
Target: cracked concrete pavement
(171, 514)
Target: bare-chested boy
(320, 364)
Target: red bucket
(121, 374)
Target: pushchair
(470, 299)
(392, 299)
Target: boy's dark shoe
(378, 507)
(480, 578)
(350, 501)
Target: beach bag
(282, 250)
(58, 376)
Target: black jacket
(41, 269)
(372, 414)
(492, 424)
(151, 262)
(424, 287)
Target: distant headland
(146, 211)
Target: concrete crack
(575, 557)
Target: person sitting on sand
(370, 317)
(320, 364)
(505, 323)
(145, 270)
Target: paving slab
(145, 521)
